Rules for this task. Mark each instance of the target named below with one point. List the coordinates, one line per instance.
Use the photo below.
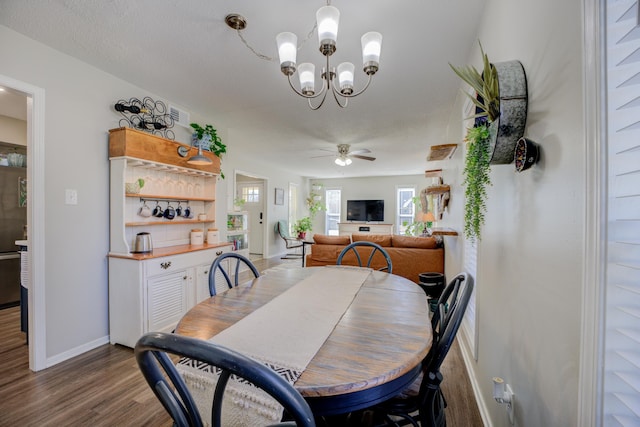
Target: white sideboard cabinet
(152, 291)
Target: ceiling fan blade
(362, 157)
(362, 151)
(323, 155)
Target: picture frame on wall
(279, 198)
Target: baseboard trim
(51, 361)
(465, 350)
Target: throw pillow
(414, 242)
(323, 239)
(383, 240)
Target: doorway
(34, 98)
(250, 189)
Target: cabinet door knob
(165, 265)
(218, 253)
(206, 272)
(184, 277)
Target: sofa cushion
(398, 241)
(383, 240)
(323, 239)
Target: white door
(253, 194)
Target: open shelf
(150, 197)
(167, 222)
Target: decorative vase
(509, 127)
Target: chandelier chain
(267, 57)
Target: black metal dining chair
(152, 354)
(229, 262)
(423, 403)
(376, 248)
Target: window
(251, 194)
(293, 206)
(332, 214)
(405, 208)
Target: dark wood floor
(104, 387)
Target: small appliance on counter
(142, 243)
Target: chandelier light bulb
(371, 48)
(287, 51)
(327, 19)
(340, 162)
(307, 73)
(345, 77)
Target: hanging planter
(501, 115)
(508, 128)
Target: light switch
(71, 197)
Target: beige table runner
(285, 334)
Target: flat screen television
(365, 210)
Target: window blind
(621, 381)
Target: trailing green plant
(476, 179)
(208, 132)
(485, 85)
(314, 203)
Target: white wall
(13, 130)
(530, 256)
(78, 114)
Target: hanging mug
(144, 211)
(169, 213)
(179, 210)
(187, 212)
(157, 211)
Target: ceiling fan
(343, 157)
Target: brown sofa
(410, 256)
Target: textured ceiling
(184, 51)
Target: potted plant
(134, 187)
(501, 111)
(207, 138)
(501, 103)
(302, 226)
(238, 203)
(314, 203)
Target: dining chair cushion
(323, 239)
(383, 240)
(398, 241)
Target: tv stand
(348, 228)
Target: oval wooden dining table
(372, 354)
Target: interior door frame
(265, 204)
(35, 219)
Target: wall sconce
(199, 159)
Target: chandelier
(339, 81)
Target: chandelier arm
(321, 102)
(335, 96)
(353, 95)
(302, 94)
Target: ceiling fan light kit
(327, 21)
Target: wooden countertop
(168, 251)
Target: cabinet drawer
(173, 263)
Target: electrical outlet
(70, 197)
